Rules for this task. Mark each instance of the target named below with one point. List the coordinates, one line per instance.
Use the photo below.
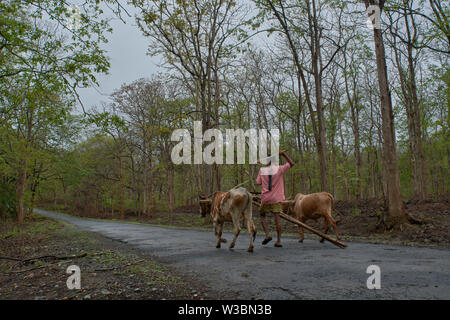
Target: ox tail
(249, 208)
(333, 208)
(248, 205)
(332, 200)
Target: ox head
(205, 205)
(288, 205)
(299, 196)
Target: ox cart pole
(323, 235)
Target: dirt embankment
(360, 218)
(358, 221)
(34, 258)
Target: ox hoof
(322, 240)
(300, 241)
(231, 246)
(250, 249)
(223, 240)
(218, 246)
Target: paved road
(297, 271)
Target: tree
(41, 70)
(36, 39)
(194, 37)
(322, 49)
(436, 36)
(404, 39)
(34, 108)
(396, 214)
(351, 72)
(139, 102)
(115, 127)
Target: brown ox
(229, 206)
(314, 206)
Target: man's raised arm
(288, 159)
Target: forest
(359, 91)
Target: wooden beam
(320, 234)
(323, 235)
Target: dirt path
(297, 271)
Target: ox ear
(288, 202)
(201, 197)
(290, 207)
(205, 201)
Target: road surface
(310, 270)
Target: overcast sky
(127, 50)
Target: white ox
(229, 206)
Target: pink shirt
(277, 193)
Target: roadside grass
(36, 226)
(110, 269)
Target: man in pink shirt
(272, 193)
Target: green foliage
(35, 34)
(8, 198)
(42, 64)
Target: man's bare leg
(277, 221)
(266, 230)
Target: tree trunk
(21, 183)
(420, 183)
(353, 101)
(319, 125)
(409, 92)
(121, 213)
(186, 184)
(150, 196)
(317, 72)
(135, 187)
(396, 214)
(217, 174)
(170, 189)
(145, 180)
(206, 124)
(32, 200)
